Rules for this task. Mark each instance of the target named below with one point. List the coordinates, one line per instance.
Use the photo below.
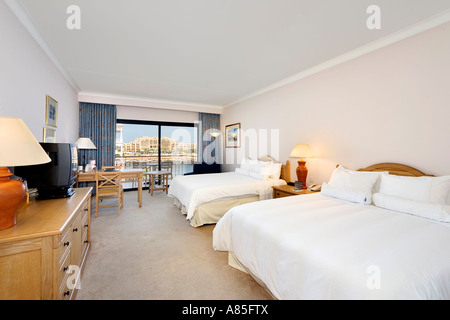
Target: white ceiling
(210, 52)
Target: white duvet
(193, 190)
(316, 247)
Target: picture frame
(233, 135)
(51, 111)
(49, 135)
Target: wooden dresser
(42, 256)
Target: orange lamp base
(11, 194)
(302, 173)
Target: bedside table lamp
(85, 144)
(18, 148)
(301, 151)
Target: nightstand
(287, 191)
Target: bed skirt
(235, 263)
(211, 212)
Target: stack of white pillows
(428, 197)
(260, 170)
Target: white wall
(26, 76)
(392, 105)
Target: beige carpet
(153, 253)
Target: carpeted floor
(153, 253)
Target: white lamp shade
(85, 143)
(301, 151)
(18, 145)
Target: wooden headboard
(285, 168)
(286, 171)
(395, 168)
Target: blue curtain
(98, 122)
(210, 147)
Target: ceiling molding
(370, 47)
(120, 100)
(21, 14)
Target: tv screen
(56, 178)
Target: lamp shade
(215, 134)
(18, 145)
(85, 143)
(301, 151)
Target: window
(153, 146)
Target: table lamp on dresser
(18, 148)
(301, 151)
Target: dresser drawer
(64, 245)
(64, 293)
(63, 267)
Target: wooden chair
(167, 166)
(108, 184)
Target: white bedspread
(193, 190)
(315, 247)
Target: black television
(56, 178)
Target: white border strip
(375, 45)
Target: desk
(126, 174)
(158, 175)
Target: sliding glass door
(154, 146)
(178, 148)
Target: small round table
(163, 176)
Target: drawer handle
(75, 229)
(85, 241)
(66, 243)
(86, 225)
(86, 209)
(65, 268)
(66, 293)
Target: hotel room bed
(340, 245)
(205, 198)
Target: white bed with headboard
(205, 198)
(366, 235)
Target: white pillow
(273, 168)
(275, 173)
(345, 194)
(248, 164)
(264, 168)
(428, 189)
(356, 181)
(434, 211)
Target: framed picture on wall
(49, 135)
(51, 112)
(233, 135)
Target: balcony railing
(176, 165)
